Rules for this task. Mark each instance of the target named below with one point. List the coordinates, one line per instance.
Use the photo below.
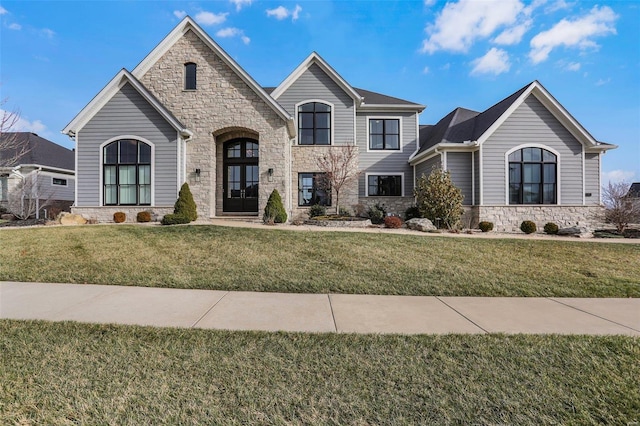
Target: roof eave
(466, 146)
(394, 107)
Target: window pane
(392, 142)
(392, 127)
(322, 137)
(306, 107)
(548, 157)
(305, 189)
(375, 126)
(549, 196)
(322, 107)
(144, 175)
(323, 120)
(111, 153)
(514, 172)
(128, 194)
(532, 154)
(376, 141)
(145, 153)
(110, 194)
(305, 120)
(145, 194)
(110, 175)
(516, 156)
(190, 76)
(306, 137)
(373, 185)
(532, 173)
(127, 175)
(252, 150)
(234, 151)
(128, 151)
(531, 193)
(549, 173)
(514, 193)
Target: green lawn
(70, 373)
(211, 257)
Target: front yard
(211, 257)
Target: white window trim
(153, 167)
(558, 174)
(366, 183)
(332, 116)
(66, 181)
(384, 117)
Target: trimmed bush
(185, 205)
(393, 222)
(376, 214)
(317, 210)
(528, 227)
(143, 217)
(412, 213)
(119, 217)
(274, 210)
(174, 219)
(550, 228)
(344, 212)
(438, 199)
(485, 226)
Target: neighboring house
(524, 158)
(189, 113)
(48, 167)
(634, 190)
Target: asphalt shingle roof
(371, 98)
(39, 151)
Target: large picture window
(312, 190)
(127, 173)
(384, 185)
(533, 176)
(314, 124)
(384, 134)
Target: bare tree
(11, 148)
(620, 208)
(27, 198)
(340, 167)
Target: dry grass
(211, 257)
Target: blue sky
(56, 55)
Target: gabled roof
(470, 129)
(314, 58)
(100, 100)
(38, 151)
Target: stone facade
(392, 205)
(105, 214)
(223, 104)
(509, 218)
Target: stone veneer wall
(105, 214)
(222, 103)
(393, 205)
(509, 218)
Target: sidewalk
(342, 313)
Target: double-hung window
(127, 173)
(384, 134)
(314, 124)
(313, 189)
(533, 176)
(384, 185)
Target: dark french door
(241, 177)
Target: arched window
(127, 173)
(533, 174)
(190, 76)
(314, 124)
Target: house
(189, 113)
(45, 171)
(524, 158)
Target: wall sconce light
(270, 172)
(197, 175)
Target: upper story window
(533, 174)
(127, 173)
(190, 76)
(384, 134)
(314, 124)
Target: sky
(55, 56)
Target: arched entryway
(241, 176)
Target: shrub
(376, 213)
(438, 198)
(274, 210)
(119, 217)
(317, 210)
(185, 205)
(344, 212)
(393, 222)
(528, 227)
(485, 226)
(412, 213)
(143, 217)
(174, 219)
(550, 228)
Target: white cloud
(48, 33)
(15, 26)
(429, 2)
(179, 14)
(24, 125)
(425, 70)
(241, 3)
(513, 35)
(495, 62)
(233, 32)
(573, 66)
(209, 18)
(282, 12)
(446, 67)
(602, 82)
(577, 33)
(3, 11)
(460, 24)
(618, 176)
(558, 5)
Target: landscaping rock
(71, 219)
(573, 231)
(420, 224)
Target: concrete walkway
(342, 313)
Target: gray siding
(476, 176)
(425, 167)
(459, 165)
(127, 113)
(532, 123)
(315, 84)
(387, 161)
(58, 192)
(592, 178)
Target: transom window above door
(242, 149)
(314, 124)
(384, 134)
(533, 174)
